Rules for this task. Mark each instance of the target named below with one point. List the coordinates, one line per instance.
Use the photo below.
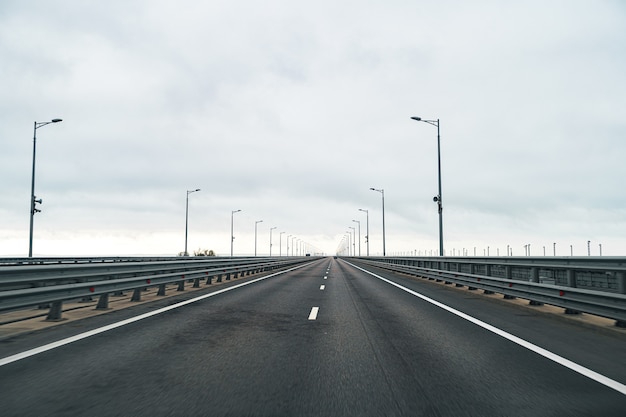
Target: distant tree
(204, 252)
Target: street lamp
(271, 228)
(437, 198)
(356, 221)
(33, 199)
(187, 217)
(382, 191)
(280, 243)
(353, 240)
(255, 228)
(367, 230)
(288, 236)
(232, 236)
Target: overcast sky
(291, 111)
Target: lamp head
(56, 120)
(416, 118)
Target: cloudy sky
(291, 111)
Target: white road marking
(67, 341)
(325, 277)
(322, 287)
(617, 386)
(314, 312)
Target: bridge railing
(590, 285)
(51, 283)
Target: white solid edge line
(313, 314)
(617, 386)
(66, 341)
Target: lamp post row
(232, 236)
(437, 199)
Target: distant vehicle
(308, 254)
(335, 257)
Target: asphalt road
(369, 349)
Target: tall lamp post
(271, 228)
(255, 228)
(437, 199)
(232, 235)
(288, 236)
(280, 243)
(353, 240)
(359, 223)
(33, 199)
(382, 192)
(187, 217)
(367, 230)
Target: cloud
(291, 112)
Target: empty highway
(324, 339)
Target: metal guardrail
(108, 259)
(590, 285)
(51, 283)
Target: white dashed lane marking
(314, 312)
(322, 287)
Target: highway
(324, 339)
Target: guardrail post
(458, 269)
(56, 310)
(228, 276)
(103, 302)
(534, 277)
(181, 285)
(620, 278)
(488, 273)
(136, 295)
(471, 271)
(196, 283)
(506, 272)
(161, 290)
(571, 278)
(219, 278)
(208, 279)
(571, 282)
